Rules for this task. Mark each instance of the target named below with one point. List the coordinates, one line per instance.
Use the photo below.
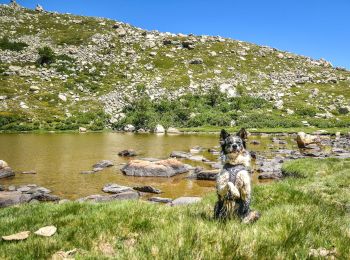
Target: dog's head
(233, 144)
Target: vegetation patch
(6, 44)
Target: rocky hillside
(61, 71)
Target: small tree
(46, 56)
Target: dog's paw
(252, 217)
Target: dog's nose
(234, 146)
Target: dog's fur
(233, 183)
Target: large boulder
(5, 170)
(128, 195)
(303, 139)
(162, 168)
(9, 198)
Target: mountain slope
(101, 69)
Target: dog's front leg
(233, 192)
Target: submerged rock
(103, 164)
(162, 168)
(127, 153)
(180, 154)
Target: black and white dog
(233, 183)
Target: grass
(297, 214)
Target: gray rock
(103, 164)
(129, 128)
(148, 189)
(128, 195)
(185, 201)
(163, 168)
(160, 200)
(28, 172)
(127, 153)
(44, 197)
(196, 61)
(9, 198)
(180, 154)
(115, 188)
(159, 129)
(206, 175)
(5, 170)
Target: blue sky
(315, 28)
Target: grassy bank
(297, 214)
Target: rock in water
(115, 188)
(303, 140)
(18, 236)
(46, 231)
(127, 153)
(148, 189)
(5, 170)
(103, 164)
(159, 129)
(163, 168)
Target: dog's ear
(243, 134)
(223, 135)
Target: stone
(47, 231)
(128, 195)
(115, 188)
(34, 88)
(103, 164)
(62, 97)
(303, 140)
(196, 61)
(180, 154)
(5, 170)
(39, 8)
(87, 172)
(206, 174)
(323, 253)
(185, 201)
(159, 129)
(18, 236)
(68, 255)
(82, 129)
(148, 189)
(44, 197)
(9, 198)
(173, 130)
(160, 200)
(29, 172)
(162, 168)
(127, 153)
(129, 128)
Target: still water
(58, 159)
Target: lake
(58, 159)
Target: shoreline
(202, 130)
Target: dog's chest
(233, 172)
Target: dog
(233, 184)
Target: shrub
(46, 56)
(5, 44)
